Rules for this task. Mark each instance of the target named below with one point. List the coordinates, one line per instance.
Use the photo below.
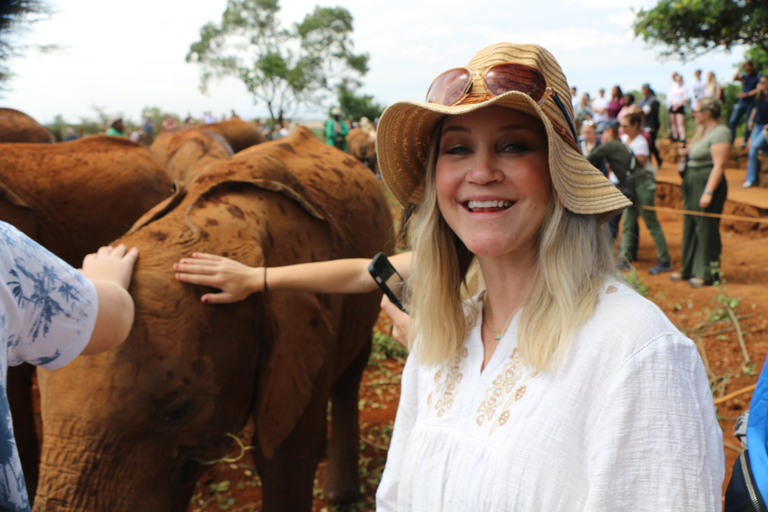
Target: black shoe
(659, 268)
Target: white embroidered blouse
(626, 423)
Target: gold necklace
(498, 333)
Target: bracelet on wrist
(707, 191)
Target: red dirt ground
(700, 313)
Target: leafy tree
(759, 57)
(284, 68)
(354, 106)
(14, 15)
(692, 28)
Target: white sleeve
(407, 411)
(640, 146)
(657, 444)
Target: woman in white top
(677, 96)
(557, 388)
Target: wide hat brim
(403, 138)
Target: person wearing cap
(557, 387)
(644, 182)
(116, 127)
(651, 123)
(336, 130)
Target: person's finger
(206, 256)
(197, 279)
(119, 251)
(105, 250)
(218, 298)
(188, 268)
(132, 255)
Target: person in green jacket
(116, 127)
(620, 159)
(336, 130)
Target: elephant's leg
(20, 400)
(288, 477)
(342, 482)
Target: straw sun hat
(406, 127)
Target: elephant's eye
(175, 411)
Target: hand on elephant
(235, 280)
(113, 264)
(401, 321)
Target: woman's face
(630, 129)
(589, 133)
(492, 180)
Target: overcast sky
(123, 56)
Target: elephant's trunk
(84, 471)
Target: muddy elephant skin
(363, 147)
(17, 126)
(239, 134)
(73, 197)
(186, 154)
(126, 430)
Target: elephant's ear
(162, 208)
(301, 335)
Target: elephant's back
(16, 126)
(341, 189)
(98, 162)
(238, 133)
(185, 154)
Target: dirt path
(700, 313)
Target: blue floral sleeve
(47, 317)
(48, 307)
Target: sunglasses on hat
(455, 84)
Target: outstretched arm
(237, 281)
(110, 271)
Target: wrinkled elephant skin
(126, 430)
(17, 126)
(73, 197)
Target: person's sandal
(676, 276)
(696, 282)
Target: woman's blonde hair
(575, 256)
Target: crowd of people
(618, 135)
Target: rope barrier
(759, 220)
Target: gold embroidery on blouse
(447, 388)
(504, 391)
(611, 289)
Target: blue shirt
(47, 313)
(748, 83)
(761, 110)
